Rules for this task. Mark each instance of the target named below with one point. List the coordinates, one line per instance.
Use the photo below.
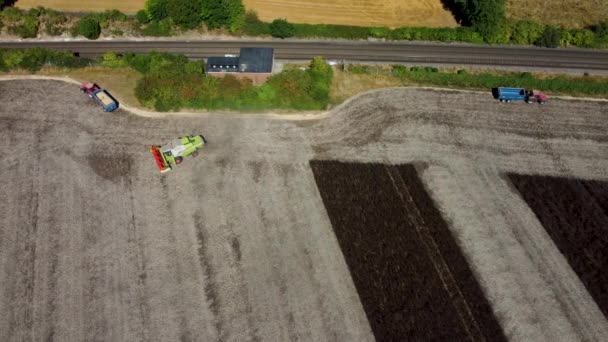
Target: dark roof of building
(256, 60)
(219, 64)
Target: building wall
(257, 78)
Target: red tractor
(105, 100)
(535, 96)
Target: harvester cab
(169, 155)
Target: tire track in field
(210, 285)
(22, 313)
(285, 171)
(138, 258)
(185, 333)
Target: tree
(236, 14)
(484, 16)
(157, 9)
(215, 13)
(550, 37)
(89, 27)
(185, 13)
(142, 16)
(281, 28)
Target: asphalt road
(397, 52)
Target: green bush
(34, 59)
(28, 28)
(236, 14)
(359, 69)
(399, 70)
(331, 31)
(53, 30)
(577, 37)
(281, 28)
(321, 75)
(526, 32)
(253, 26)
(11, 14)
(550, 38)
(158, 9)
(161, 28)
(142, 16)
(113, 15)
(379, 32)
(111, 59)
(600, 32)
(185, 13)
(89, 27)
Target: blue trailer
(105, 100)
(504, 94)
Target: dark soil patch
(412, 279)
(575, 214)
(111, 167)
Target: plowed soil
(411, 277)
(575, 214)
(236, 244)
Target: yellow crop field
(391, 13)
(569, 13)
(126, 6)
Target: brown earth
(575, 214)
(412, 279)
(236, 245)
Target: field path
(236, 245)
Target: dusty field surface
(391, 13)
(560, 12)
(126, 6)
(236, 245)
(575, 215)
(411, 276)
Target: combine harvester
(172, 154)
(519, 94)
(107, 102)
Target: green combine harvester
(172, 154)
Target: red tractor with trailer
(105, 100)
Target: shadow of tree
(457, 11)
(7, 3)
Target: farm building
(254, 63)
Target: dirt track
(236, 245)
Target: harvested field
(559, 12)
(391, 13)
(575, 214)
(236, 244)
(411, 277)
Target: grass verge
(120, 82)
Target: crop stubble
(575, 214)
(411, 276)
